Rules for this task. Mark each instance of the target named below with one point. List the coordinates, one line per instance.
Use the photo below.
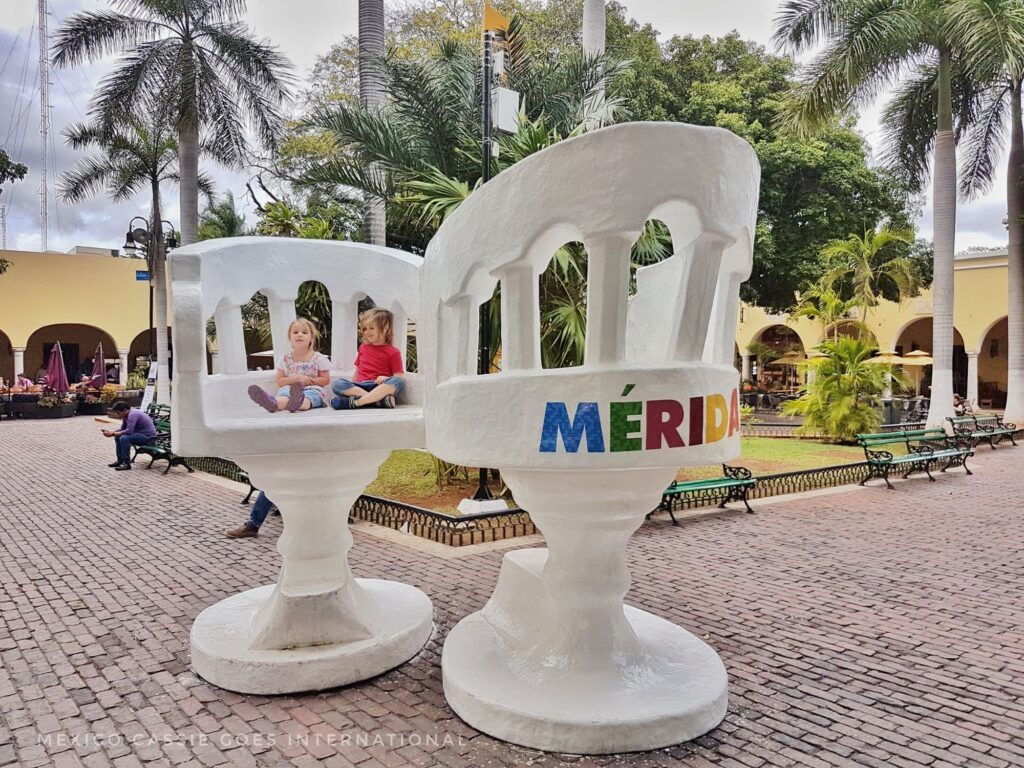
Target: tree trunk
(158, 263)
(188, 165)
(944, 217)
(373, 94)
(594, 39)
(1015, 261)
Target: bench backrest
(673, 341)
(965, 421)
(882, 439)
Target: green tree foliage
(813, 190)
(866, 267)
(222, 219)
(844, 397)
(10, 170)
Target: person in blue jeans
(137, 428)
(251, 527)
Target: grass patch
(408, 476)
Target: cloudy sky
(302, 29)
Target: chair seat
(315, 431)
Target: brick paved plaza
(861, 627)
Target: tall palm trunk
(373, 94)
(944, 216)
(158, 263)
(1015, 258)
(188, 165)
(594, 34)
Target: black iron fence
(461, 530)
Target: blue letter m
(556, 420)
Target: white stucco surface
(555, 660)
(318, 627)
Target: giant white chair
(318, 627)
(555, 661)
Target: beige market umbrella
(917, 360)
(789, 360)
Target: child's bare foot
(296, 394)
(262, 398)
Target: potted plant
(55, 405)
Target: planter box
(93, 409)
(57, 412)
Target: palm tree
(992, 32)
(221, 219)
(427, 138)
(134, 156)
(821, 301)
(373, 95)
(868, 45)
(844, 397)
(196, 57)
(861, 261)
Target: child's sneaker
(343, 403)
(388, 401)
(296, 396)
(263, 399)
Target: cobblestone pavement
(870, 627)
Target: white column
(972, 378)
(215, 361)
(19, 361)
(745, 373)
(123, 372)
(607, 295)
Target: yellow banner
(493, 21)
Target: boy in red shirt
(379, 368)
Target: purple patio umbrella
(56, 376)
(99, 373)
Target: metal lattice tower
(44, 119)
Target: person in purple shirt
(136, 429)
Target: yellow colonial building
(82, 298)
(980, 362)
(92, 295)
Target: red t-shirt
(376, 360)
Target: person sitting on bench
(137, 428)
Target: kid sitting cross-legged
(378, 381)
(302, 373)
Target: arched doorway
(142, 346)
(917, 335)
(773, 351)
(78, 343)
(994, 366)
(7, 372)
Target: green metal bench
(989, 429)
(923, 447)
(737, 483)
(160, 447)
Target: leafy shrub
(845, 396)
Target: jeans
(260, 509)
(342, 384)
(313, 394)
(123, 444)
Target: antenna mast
(3, 227)
(44, 118)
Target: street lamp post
(139, 238)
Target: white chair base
(555, 660)
(673, 691)
(221, 638)
(318, 627)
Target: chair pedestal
(318, 627)
(555, 661)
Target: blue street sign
(142, 275)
